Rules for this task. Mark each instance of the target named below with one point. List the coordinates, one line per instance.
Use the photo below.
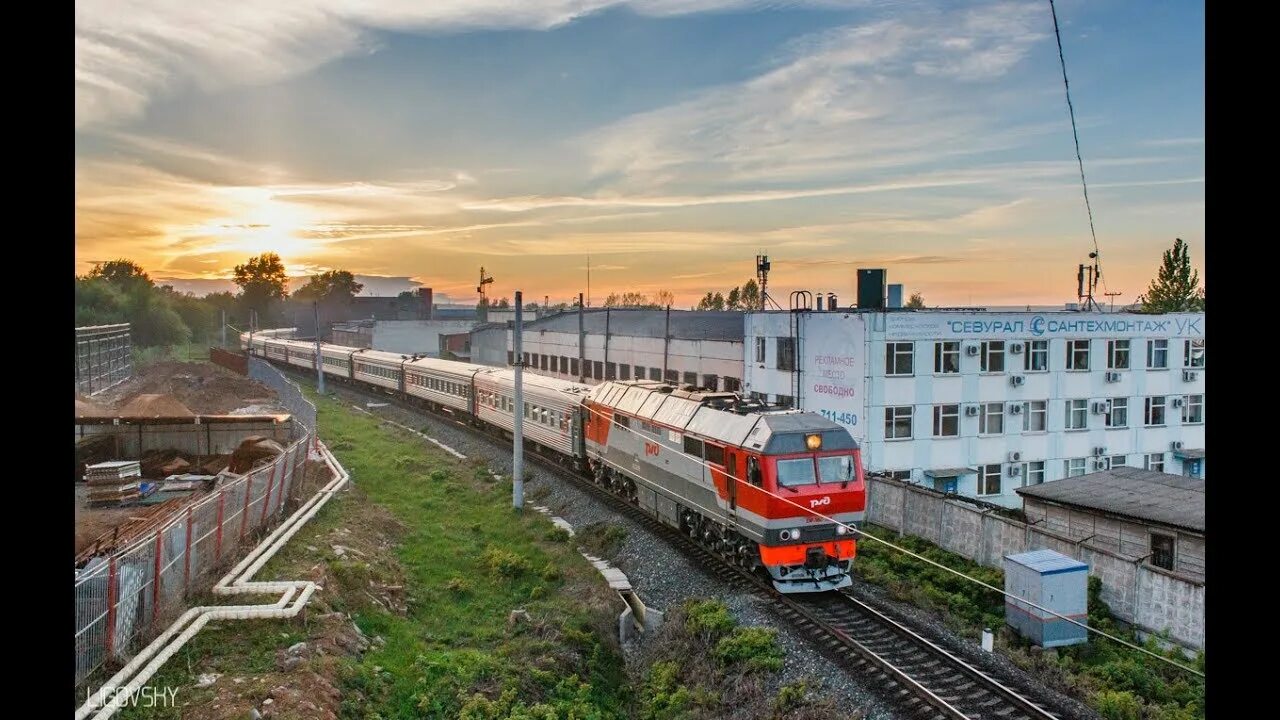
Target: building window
(901, 475)
(899, 358)
(546, 361)
(1157, 354)
(760, 343)
(573, 366)
(1034, 414)
(672, 376)
(732, 384)
(691, 378)
(989, 480)
(1118, 354)
(709, 382)
(511, 358)
(1074, 467)
(946, 357)
(597, 367)
(993, 356)
(1162, 550)
(1116, 461)
(586, 368)
(640, 372)
(655, 373)
(1153, 413)
(526, 359)
(1077, 414)
(624, 372)
(1033, 472)
(611, 371)
(1077, 354)
(1193, 353)
(784, 401)
(1037, 356)
(564, 365)
(991, 419)
(786, 353)
(946, 420)
(1193, 409)
(1153, 461)
(897, 423)
(1118, 413)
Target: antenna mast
(762, 274)
(484, 280)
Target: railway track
(920, 677)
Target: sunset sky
(672, 140)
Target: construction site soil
(201, 388)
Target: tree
(122, 273)
(120, 291)
(734, 301)
(750, 298)
(630, 300)
(503, 304)
(262, 281)
(333, 286)
(711, 302)
(1176, 286)
(664, 298)
(915, 301)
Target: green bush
(505, 563)
(708, 618)
(1118, 705)
(458, 585)
(755, 647)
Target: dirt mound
(253, 451)
(154, 405)
(89, 408)
(205, 388)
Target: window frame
(761, 347)
(943, 351)
(987, 352)
(1153, 350)
(940, 417)
(1071, 409)
(1114, 404)
(1028, 472)
(1036, 348)
(1150, 407)
(1149, 464)
(985, 475)
(893, 416)
(985, 416)
(1116, 353)
(1073, 349)
(893, 357)
(1187, 405)
(1157, 555)
(785, 350)
(1029, 409)
(1188, 353)
(1069, 471)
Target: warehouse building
(703, 349)
(983, 403)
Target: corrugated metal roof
(1047, 562)
(632, 322)
(1144, 495)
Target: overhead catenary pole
(315, 306)
(224, 329)
(582, 334)
(517, 456)
(666, 344)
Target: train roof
(539, 381)
(719, 416)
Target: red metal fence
(234, 362)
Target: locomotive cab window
(796, 472)
(753, 472)
(836, 469)
(713, 453)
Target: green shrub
(790, 697)
(505, 563)
(1118, 705)
(603, 539)
(458, 585)
(755, 647)
(709, 618)
(556, 534)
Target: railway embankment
(438, 601)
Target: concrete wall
(416, 336)
(1152, 599)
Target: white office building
(982, 403)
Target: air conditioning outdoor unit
(1100, 465)
(1015, 409)
(1113, 377)
(1015, 456)
(971, 350)
(971, 410)
(1176, 445)
(1015, 470)
(1017, 380)
(1099, 451)
(1101, 407)
(1015, 348)
(1177, 402)
(1190, 375)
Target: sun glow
(255, 221)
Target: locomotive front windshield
(836, 468)
(798, 472)
(793, 473)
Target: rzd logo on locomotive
(651, 449)
(826, 500)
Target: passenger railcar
(552, 408)
(442, 382)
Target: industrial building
(1139, 513)
(703, 349)
(980, 403)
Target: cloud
(129, 51)
(1173, 142)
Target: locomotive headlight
(784, 535)
(813, 442)
(842, 530)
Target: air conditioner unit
(1100, 465)
(1015, 409)
(1113, 377)
(1177, 402)
(1015, 470)
(1015, 456)
(971, 350)
(1101, 407)
(1190, 375)
(1099, 451)
(971, 410)
(1015, 348)
(1017, 380)
(1176, 445)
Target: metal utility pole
(582, 333)
(666, 344)
(517, 457)
(224, 329)
(315, 306)
(1113, 296)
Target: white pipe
(236, 582)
